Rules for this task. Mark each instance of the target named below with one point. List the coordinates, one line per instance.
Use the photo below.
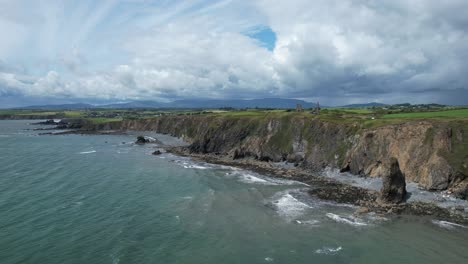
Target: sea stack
(393, 183)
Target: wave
(308, 222)
(289, 207)
(447, 225)
(328, 250)
(249, 178)
(194, 166)
(350, 220)
(88, 152)
(189, 165)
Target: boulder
(47, 122)
(157, 152)
(141, 140)
(393, 183)
(461, 192)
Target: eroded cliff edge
(433, 153)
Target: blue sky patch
(266, 36)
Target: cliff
(433, 153)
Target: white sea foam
(328, 250)
(190, 165)
(88, 152)
(269, 259)
(289, 207)
(194, 166)
(375, 218)
(417, 193)
(311, 222)
(350, 220)
(447, 225)
(249, 178)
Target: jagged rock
(47, 122)
(362, 210)
(295, 158)
(157, 152)
(393, 183)
(141, 140)
(425, 152)
(462, 192)
(345, 168)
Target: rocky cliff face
(434, 154)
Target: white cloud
(336, 51)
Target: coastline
(321, 187)
(331, 190)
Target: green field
(439, 114)
(101, 120)
(368, 117)
(356, 110)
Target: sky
(333, 51)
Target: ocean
(101, 199)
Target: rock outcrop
(47, 122)
(428, 153)
(433, 153)
(393, 183)
(141, 140)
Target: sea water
(101, 199)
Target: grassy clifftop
(432, 152)
(431, 146)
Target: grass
(74, 113)
(242, 113)
(360, 116)
(101, 120)
(355, 110)
(449, 113)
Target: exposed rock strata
(434, 154)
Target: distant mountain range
(58, 107)
(198, 103)
(195, 103)
(363, 105)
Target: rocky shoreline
(320, 187)
(331, 190)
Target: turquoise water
(96, 199)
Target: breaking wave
(447, 225)
(288, 206)
(87, 152)
(328, 250)
(349, 220)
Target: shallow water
(101, 199)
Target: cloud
(335, 51)
(362, 48)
